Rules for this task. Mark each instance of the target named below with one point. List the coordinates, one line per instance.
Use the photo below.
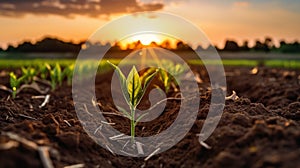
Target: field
(293, 64)
(260, 128)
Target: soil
(260, 129)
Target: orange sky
(237, 20)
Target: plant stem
(53, 85)
(14, 92)
(132, 124)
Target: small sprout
(166, 75)
(44, 70)
(28, 74)
(133, 89)
(68, 73)
(55, 76)
(166, 79)
(15, 83)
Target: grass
(293, 64)
(17, 63)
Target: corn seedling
(28, 74)
(15, 83)
(133, 89)
(68, 73)
(55, 76)
(84, 70)
(165, 75)
(44, 70)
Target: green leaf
(44, 69)
(24, 70)
(148, 79)
(165, 78)
(139, 118)
(124, 112)
(57, 74)
(122, 80)
(32, 71)
(13, 80)
(147, 73)
(47, 66)
(68, 73)
(134, 87)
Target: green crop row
(294, 64)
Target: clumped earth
(260, 129)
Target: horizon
(134, 42)
(76, 20)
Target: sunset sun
(146, 39)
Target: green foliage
(28, 74)
(133, 88)
(44, 70)
(56, 76)
(68, 73)
(15, 83)
(169, 72)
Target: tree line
(262, 46)
(48, 44)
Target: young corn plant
(166, 77)
(28, 74)
(15, 83)
(133, 88)
(55, 76)
(44, 70)
(68, 73)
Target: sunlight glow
(146, 39)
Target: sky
(76, 20)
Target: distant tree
(166, 44)
(199, 48)
(107, 44)
(296, 43)
(282, 43)
(231, 46)
(138, 45)
(289, 47)
(11, 48)
(210, 48)
(217, 48)
(46, 45)
(259, 46)
(153, 44)
(245, 46)
(25, 47)
(116, 46)
(269, 41)
(54, 45)
(182, 46)
(268, 44)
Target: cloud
(69, 8)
